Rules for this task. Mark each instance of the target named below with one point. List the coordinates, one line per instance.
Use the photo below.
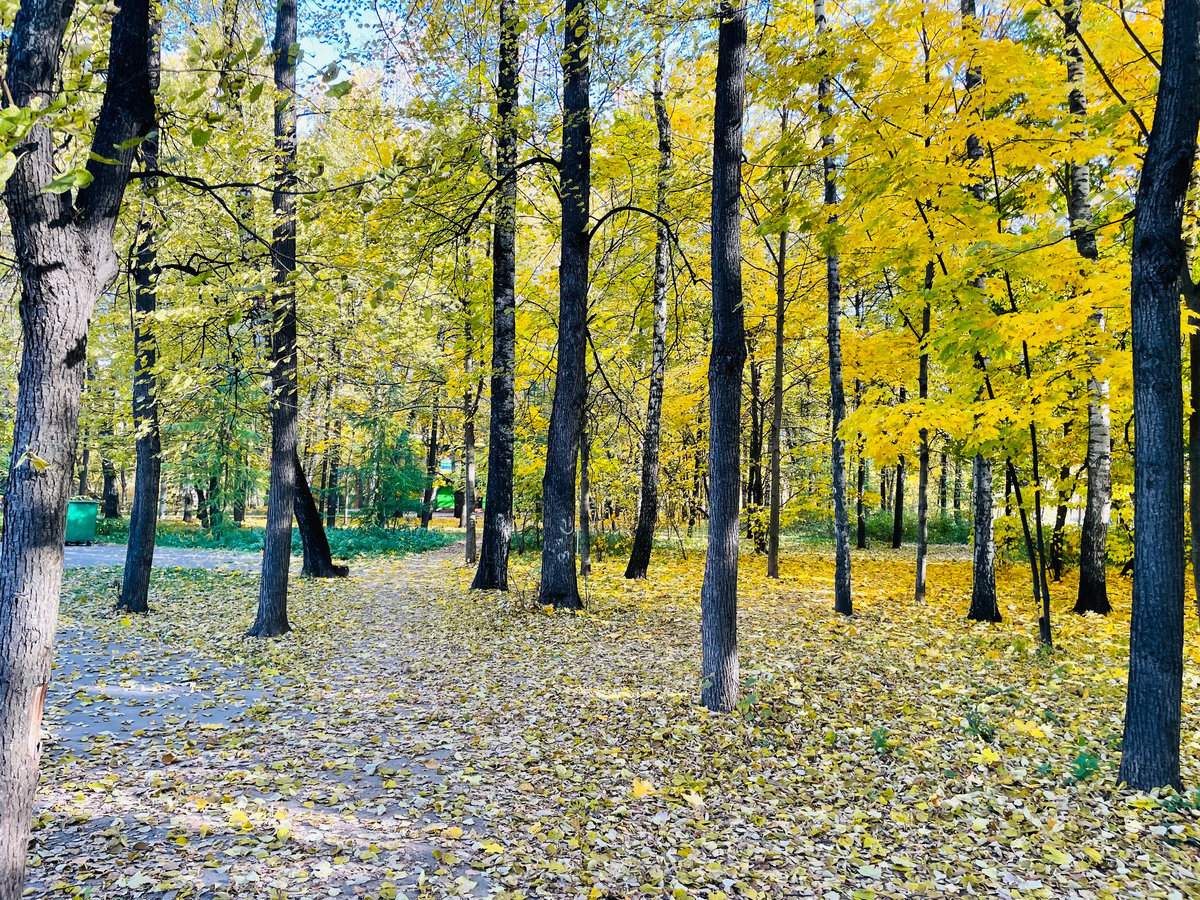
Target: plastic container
(81, 521)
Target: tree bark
(1093, 552)
(643, 539)
(585, 503)
(923, 452)
(143, 516)
(984, 606)
(63, 246)
(272, 619)
(774, 449)
(431, 462)
(842, 598)
(560, 587)
(318, 560)
(898, 505)
(333, 484)
(1150, 749)
(111, 505)
(718, 596)
(492, 572)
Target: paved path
(164, 557)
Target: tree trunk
(842, 598)
(143, 517)
(984, 607)
(754, 475)
(1093, 554)
(585, 504)
(431, 462)
(64, 254)
(111, 498)
(942, 483)
(560, 587)
(492, 573)
(1150, 749)
(718, 596)
(773, 523)
(643, 539)
(898, 505)
(318, 560)
(84, 465)
(333, 485)
(923, 452)
(861, 510)
(958, 484)
(272, 619)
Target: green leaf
(76, 178)
(8, 165)
(200, 137)
(341, 89)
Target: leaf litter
(411, 739)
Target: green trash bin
(81, 521)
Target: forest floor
(411, 739)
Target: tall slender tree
(643, 539)
(492, 572)
(1150, 748)
(63, 246)
(143, 517)
(718, 594)
(842, 597)
(560, 585)
(272, 617)
(1093, 551)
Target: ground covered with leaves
(411, 739)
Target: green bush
(345, 543)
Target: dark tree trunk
(1150, 750)
(318, 560)
(643, 539)
(215, 515)
(958, 483)
(143, 517)
(470, 408)
(923, 452)
(754, 477)
(718, 596)
(1058, 537)
(431, 462)
(84, 464)
(63, 247)
(272, 619)
(898, 505)
(942, 483)
(492, 573)
(984, 607)
(842, 598)
(559, 585)
(774, 450)
(111, 497)
(1093, 552)
(333, 486)
(861, 511)
(585, 503)
(202, 509)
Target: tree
(1093, 552)
(272, 618)
(842, 597)
(1150, 748)
(63, 244)
(492, 573)
(643, 539)
(143, 516)
(559, 585)
(718, 595)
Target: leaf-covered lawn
(413, 739)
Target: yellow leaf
(641, 788)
